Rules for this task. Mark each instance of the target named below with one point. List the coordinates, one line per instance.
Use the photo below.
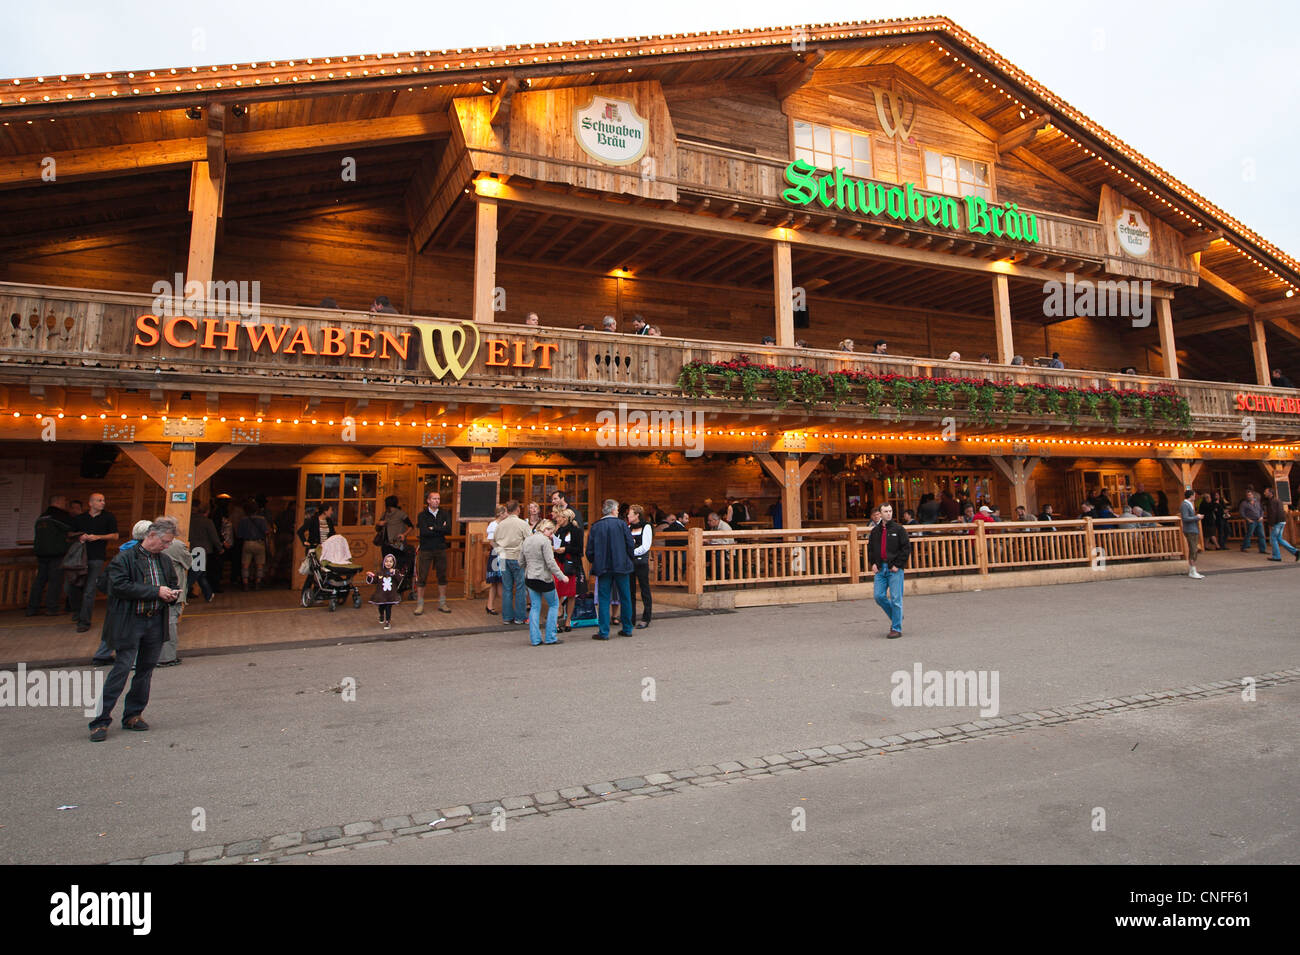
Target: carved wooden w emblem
(891, 108)
(459, 347)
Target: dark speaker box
(97, 459)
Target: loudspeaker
(801, 317)
(96, 460)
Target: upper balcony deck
(77, 338)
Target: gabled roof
(1120, 164)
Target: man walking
(50, 542)
(609, 549)
(98, 529)
(204, 537)
(511, 532)
(142, 582)
(1275, 515)
(252, 532)
(888, 548)
(1253, 514)
(434, 524)
(1191, 531)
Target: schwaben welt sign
(1278, 403)
(906, 203)
(447, 348)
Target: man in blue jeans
(888, 548)
(1253, 514)
(1275, 515)
(512, 531)
(609, 549)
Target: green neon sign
(906, 203)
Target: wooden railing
(729, 560)
(94, 333)
(729, 174)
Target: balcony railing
(91, 336)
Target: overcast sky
(1208, 90)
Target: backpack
(50, 538)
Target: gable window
(956, 175)
(827, 147)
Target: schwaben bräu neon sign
(906, 203)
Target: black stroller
(327, 581)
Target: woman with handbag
(540, 574)
(568, 552)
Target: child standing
(387, 584)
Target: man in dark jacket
(1275, 518)
(888, 548)
(142, 583)
(50, 542)
(434, 524)
(609, 549)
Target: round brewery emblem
(1134, 234)
(609, 130)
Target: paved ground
(262, 744)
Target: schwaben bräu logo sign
(1277, 403)
(611, 131)
(906, 203)
(447, 348)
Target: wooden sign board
(478, 489)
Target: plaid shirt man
(156, 579)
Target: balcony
(76, 338)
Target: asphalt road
(262, 745)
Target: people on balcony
(1280, 380)
(881, 347)
(1056, 361)
(532, 319)
(382, 306)
(846, 344)
(609, 324)
(640, 326)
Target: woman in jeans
(540, 573)
(643, 536)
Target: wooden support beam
(783, 291)
(215, 461)
(798, 73)
(1288, 329)
(1002, 319)
(147, 462)
(1285, 307)
(809, 466)
(485, 258)
(1259, 351)
(791, 499)
(215, 115)
(205, 209)
(1227, 290)
(499, 110)
(1023, 134)
(1200, 241)
(1168, 351)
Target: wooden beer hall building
(189, 255)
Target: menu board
(21, 496)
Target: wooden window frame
(923, 148)
(865, 134)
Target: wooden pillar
(205, 209)
(1165, 316)
(695, 561)
(1018, 472)
(791, 499)
(981, 547)
(485, 257)
(1184, 472)
(180, 484)
(783, 285)
(1259, 349)
(1002, 319)
(855, 571)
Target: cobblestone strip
(437, 823)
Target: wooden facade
(466, 188)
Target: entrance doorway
(229, 492)
(357, 496)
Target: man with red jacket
(888, 548)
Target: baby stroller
(330, 579)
